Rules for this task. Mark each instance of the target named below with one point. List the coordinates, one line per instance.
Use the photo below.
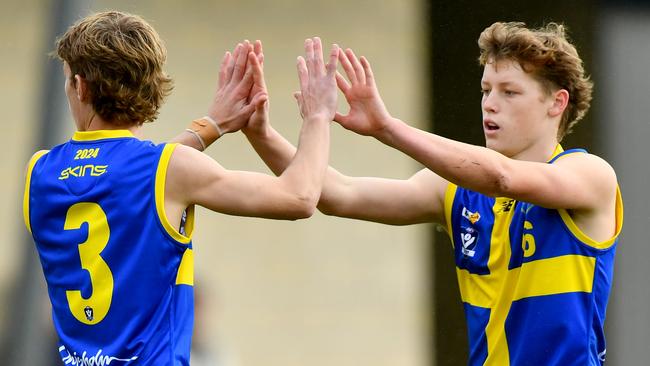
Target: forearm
(187, 139)
(470, 166)
(306, 171)
(273, 148)
(277, 153)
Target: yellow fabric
(161, 176)
(100, 134)
(28, 180)
(185, 275)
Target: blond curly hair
(548, 55)
(121, 58)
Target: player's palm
(367, 114)
(367, 111)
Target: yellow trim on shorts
(450, 194)
(185, 274)
(586, 239)
(28, 180)
(100, 135)
(161, 176)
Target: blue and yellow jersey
(534, 287)
(119, 276)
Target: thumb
(339, 118)
(298, 96)
(299, 100)
(259, 101)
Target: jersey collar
(101, 135)
(558, 150)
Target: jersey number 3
(93, 309)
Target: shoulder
(32, 161)
(188, 165)
(589, 166)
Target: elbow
(329, 209)
(303, 207)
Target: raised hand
(233, 103)
(260, 117)
(318, 95)
(368, 114)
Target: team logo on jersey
(473, 217)
(506, 206)
(469, 238)
(90, 314)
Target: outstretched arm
(577, 181)
(195, 178)
(390, 201)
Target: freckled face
(515, 108)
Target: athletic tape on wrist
(206, 129)
(197, 137)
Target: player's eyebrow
(501, 83)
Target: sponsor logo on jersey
(473, 217)
(98, 359)
(506, 206)
(82, 171)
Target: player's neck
(95, 123)
(541, 151)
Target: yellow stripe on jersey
(477, 290)
(100, 135)
(28, 180)
(558, 275)
(185, 275)
(161, 176)
(500, 253)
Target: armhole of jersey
(189, 221)
(28, 180)
(161, 176)
(580, 235)
(450, 194)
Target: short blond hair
(549, 56)
(121, 57)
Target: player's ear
(560, 101)
(81, 87)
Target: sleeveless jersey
(534, 287)
(119, 276)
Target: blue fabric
(150, 318)
(553, 329)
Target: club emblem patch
(469, 239)
(89, 313)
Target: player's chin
(491, 143)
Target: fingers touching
(318, 95)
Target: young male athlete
(534, 228)
(112, 215)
